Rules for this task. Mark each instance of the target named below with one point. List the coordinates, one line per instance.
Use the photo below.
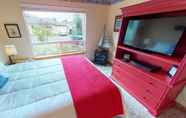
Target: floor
(134, 109)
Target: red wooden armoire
(157, 91)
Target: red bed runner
(94, 96)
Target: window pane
(56, 32)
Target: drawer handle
(151, 83)
(147, 90)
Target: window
(55, 33)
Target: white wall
(96, 17)
(3, 58)
(10, 12)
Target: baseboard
(110, 62)
(181, 107)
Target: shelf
(167, 59)
(160, 75)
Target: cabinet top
(155, 7)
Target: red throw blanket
(94, 95)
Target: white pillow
(3, 70)
(2, 66)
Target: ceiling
(107, 2)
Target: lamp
(10, 51)
(107, 44)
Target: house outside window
(54, 33)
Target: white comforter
(36, 90)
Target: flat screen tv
(158, 35)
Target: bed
(37, 89)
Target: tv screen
(159, 35)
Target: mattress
(36, 90)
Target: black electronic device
(145, 66)
(155, 35)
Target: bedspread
(36, 90)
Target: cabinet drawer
(148, 95)
(135, 88)
(146, 98)
(149, 84)
(151, 89)
(116, 73)
(122, 77)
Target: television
(158, 35)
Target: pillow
(2, 66)
(3, 70)
(3, 81)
